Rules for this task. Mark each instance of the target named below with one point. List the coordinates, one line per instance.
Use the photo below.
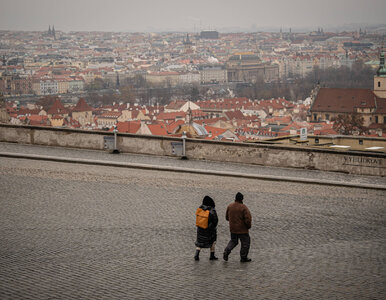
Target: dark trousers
(245, 244)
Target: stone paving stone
(72, 231)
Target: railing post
(115, 151)
(184, 146)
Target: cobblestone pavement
(193, 164)
(71, 231)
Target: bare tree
(349, 124)
(128, 94)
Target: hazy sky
(185, 15)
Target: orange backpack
(202, 218)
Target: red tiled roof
(327, 131)
(111, 114)
(198, 113)
(296, 125)
(135, 113)
(128, 127)
(171, 115)
(343, 100)
(211, 120)
(38, 120)
(214, 131)
(376, 125)
(175, 105)
(26, 111)
(275, 104)
(57, 108)
(234, 115)
(82, 106)
(281, 120)
(175, 124)
(71, 123)
(232, 103)
(157, 129)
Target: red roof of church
(57, 108)
(343, 100)
(82, 106)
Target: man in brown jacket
(240, 221)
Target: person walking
(240, 221)
(206, 222)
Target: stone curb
(192, 171)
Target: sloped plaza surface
(71, 231)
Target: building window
(376, 119)
(315, 117)
(327, 117)
(384, 120)
(379, 84)
(316, 141)
(360, 142)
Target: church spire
(381, 72)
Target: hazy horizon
(184, 15)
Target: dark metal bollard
(115, 151)
(184, 146)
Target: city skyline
(183, 15)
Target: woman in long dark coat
(206, 238)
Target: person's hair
(239, 197)
(208, 201)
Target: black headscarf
(208, 201)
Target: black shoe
(225, 256)
(245, 260)
(197, 256)
(212, 257)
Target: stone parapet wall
(354, 162)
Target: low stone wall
(353, 162)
